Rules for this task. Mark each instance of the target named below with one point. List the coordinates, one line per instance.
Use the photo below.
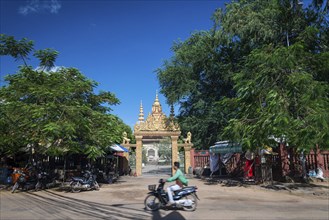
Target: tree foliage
(277, 96)
(260, 72)
(47, 58)
(56, 112)
(18, 49)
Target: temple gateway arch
(156, 126)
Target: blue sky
(119, 44)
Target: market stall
(221, 153)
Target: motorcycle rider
(180, 181)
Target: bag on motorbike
(179, 183)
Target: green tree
(144, 157)
(261, 71)
(55, 111)
(197, 78)
(278, 97)
(164, 149)
(281, 91)
(17, 49)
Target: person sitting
(180, 181)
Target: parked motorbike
(112, 177)
(185, 198)
(21, 180)
(106, 177)
(44, 181)
(87, 182)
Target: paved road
(124, 200)
(156, 170)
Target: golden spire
(141, 113)
(156, 101)
(156, 96)
(156, 108)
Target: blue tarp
(118, 148)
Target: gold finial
(156, 107)
(156, 96)
(141, 113)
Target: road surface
(124, 200)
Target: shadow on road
(65, 207)
(225, 182)
(313, 188)
(172, 216)
(294, 186)
(71, 208)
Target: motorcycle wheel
(75, 187)
(37, 186)
(50, 185)
(16, 185)
(152, 203)
(96, 185)
(193, 198)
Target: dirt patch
(128, 195)
(313, 189)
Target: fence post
(319, 158)
(192, 151)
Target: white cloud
(40, 6)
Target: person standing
(180, 182)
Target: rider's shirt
(178, 176)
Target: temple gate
(156, 126)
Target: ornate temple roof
(156, 120)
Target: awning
(224, 147)
(118, 148)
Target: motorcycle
(44, 181)
(21, 180)
(108, 178)
(112, 177)
(87, 182)
(185, 198)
